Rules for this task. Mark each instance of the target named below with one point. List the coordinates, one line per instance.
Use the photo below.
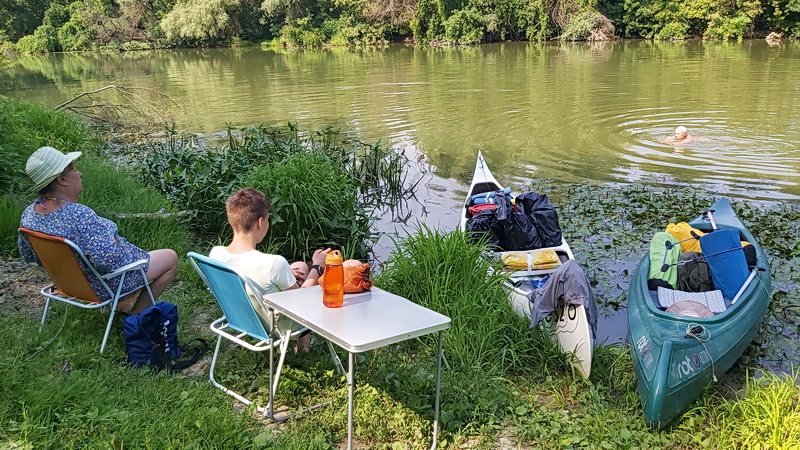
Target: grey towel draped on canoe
(570, 285)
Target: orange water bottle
(333, 284)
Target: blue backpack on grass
(151, 338)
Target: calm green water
(556, 111)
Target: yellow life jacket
(683, 231)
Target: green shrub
(302, 33)
(197, 180)
(43, 40)
(464, 27)
(580, 25)
(135, 45)
(730, 27)
(348, 31)
(673, 31)
(429, 25)
(201, 179)
(314, 205)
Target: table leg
(270, 410)
(438, 385)
(351, 382)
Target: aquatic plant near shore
(372, 178)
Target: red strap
(478, 208)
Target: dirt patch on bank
(20, 284)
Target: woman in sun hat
(56, 212)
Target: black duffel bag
(543, 216)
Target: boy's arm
(313, 277)
(317, 260)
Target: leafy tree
(429, 23)
(202, 20)
(56, 15)
(19, 18)
(43, 40)
(464, 27)
(77, 33)
(782, 15)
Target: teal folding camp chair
(60, 259)
(240, 324)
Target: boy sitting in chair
(248, 213)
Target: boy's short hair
(244, 207)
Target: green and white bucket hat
(45, 164)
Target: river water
(565, 112)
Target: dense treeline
(64, 25)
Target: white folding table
(366, 321)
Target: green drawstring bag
(663, 259)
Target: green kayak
(675, 356)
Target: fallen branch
(162, 213)
(127, 107)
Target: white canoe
(567, 326)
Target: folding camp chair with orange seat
(61, 259)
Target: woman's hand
(299, 274)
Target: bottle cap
(334, 257)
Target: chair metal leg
(112, 312)
(214, 364)
(44, 313)
(223, 388)
(147, 286)
(271, 405)
(336, 361)
(110, 321)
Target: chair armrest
(134, 265)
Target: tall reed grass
(313, 206)
(445, 272)
(11, 207)
(487, 344)
(324, 190)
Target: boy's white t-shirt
(271, 272)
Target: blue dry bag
(722, 250)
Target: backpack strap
(185, 362)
